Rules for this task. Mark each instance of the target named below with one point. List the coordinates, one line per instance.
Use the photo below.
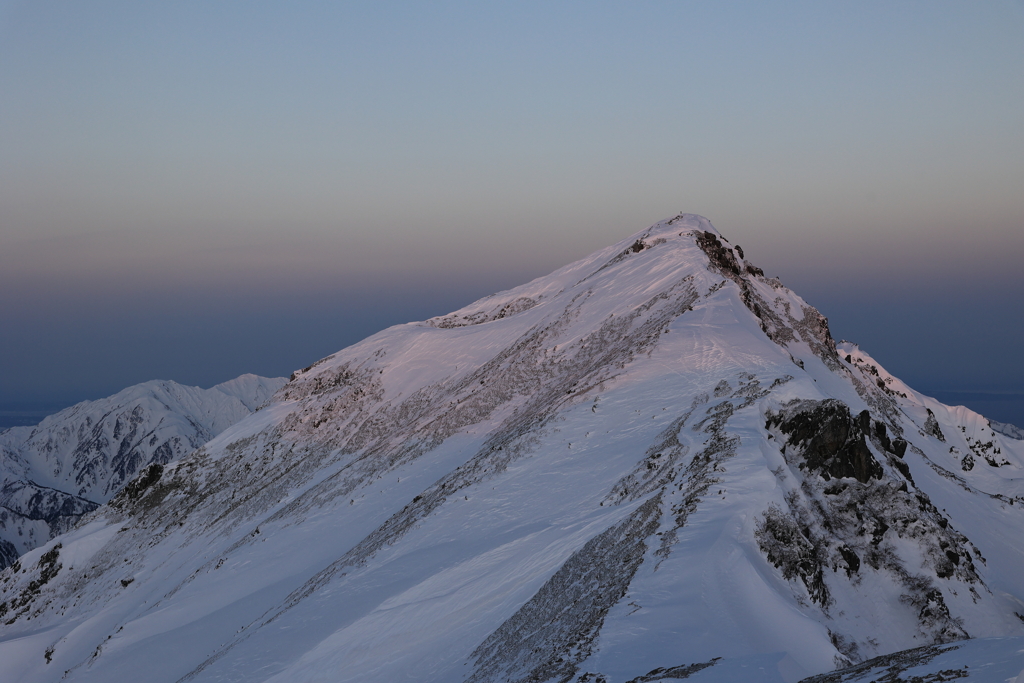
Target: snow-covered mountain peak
(683, 253)
(251, 390)
(156, 420)
(53, 473)
(653, 463)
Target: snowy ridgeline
(652, 464)
(1009, 430)
(71, 462)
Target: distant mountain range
(653, 464)
(70, 463)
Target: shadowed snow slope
(654, 463)
(74, 460)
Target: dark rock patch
(888, 668)
(721, 256)
(674, 672)
(931, 426)
(848, 517)
(793, 548)
(8, 554)
(829, 439)
(507, 310)
(47, 568)
(852, 561)
(136, 488)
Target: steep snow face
(53, 473)
(652, 463)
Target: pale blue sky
(338, 166)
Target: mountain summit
(653, 464)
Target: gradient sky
(193, 190)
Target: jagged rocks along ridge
(654, 463)
(77, 459)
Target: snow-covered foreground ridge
(64, 467)
(651, 464)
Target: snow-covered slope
(652, 462)
(78, 458)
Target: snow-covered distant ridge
(74, 460)
(1006, 429)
